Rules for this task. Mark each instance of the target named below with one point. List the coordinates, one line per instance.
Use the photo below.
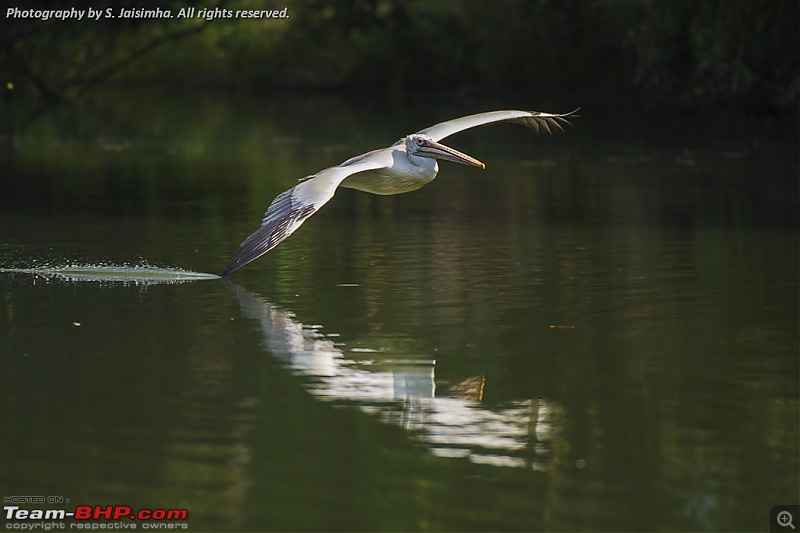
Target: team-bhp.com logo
(87, 516)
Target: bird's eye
(420, 142)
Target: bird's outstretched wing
(535, 120)
(291, 208)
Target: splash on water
(138, 274)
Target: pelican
(402, 167)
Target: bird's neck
(426, 164)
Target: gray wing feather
(290, 209)
(535, 120)
(283, 216)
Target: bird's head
(423, 146)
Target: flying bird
(402, 167)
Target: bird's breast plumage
(400, 173)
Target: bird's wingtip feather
(230, 269)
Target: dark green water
(597, 332)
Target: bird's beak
(440, 151)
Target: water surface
(597, 332)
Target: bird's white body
(399, 172)
(405, 166)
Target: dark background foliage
(741, 54)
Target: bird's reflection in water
(403, 391)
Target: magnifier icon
(784, 519)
